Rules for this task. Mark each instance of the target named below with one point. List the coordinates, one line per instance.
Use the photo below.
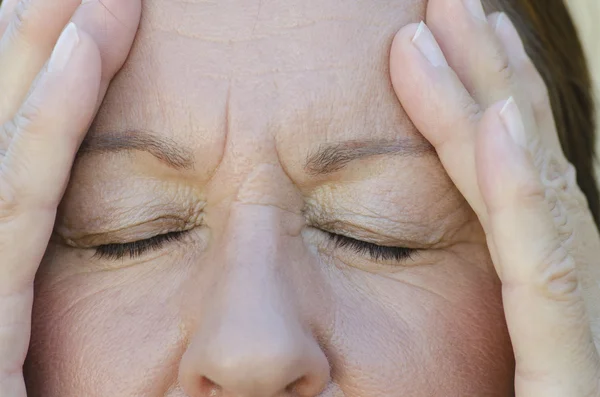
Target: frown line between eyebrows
(163, 148)
(326, 159)
(332, 157)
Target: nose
(252, 339)
(242, 363)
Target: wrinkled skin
(211, 239)
(255, 297)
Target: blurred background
(587, 17)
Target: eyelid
(365, 255)
(137, 232)
(369, 235)
(382, 220)
(137, 249)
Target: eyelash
(373, 251)
(136, 249)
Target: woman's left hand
(477, 97)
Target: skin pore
(250, 132)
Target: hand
(477, 97)
(46, 106)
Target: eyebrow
(163, 148)
(329, 158)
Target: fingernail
(426, 44)
(500, 21)
(513, 122)
(67, 41)
(86, 1)
(506, 30)
(475, 8)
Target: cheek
(94, 336)
(432, 330)
(430, 333)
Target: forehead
(269, 67)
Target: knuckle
(557, 173)
(22, 22)
(10, 205)
(561, 219)
(27, 116)
(7, 132)
(556, 277)
(472, 110)
(556, 208)
(503, 67)
(531, 191)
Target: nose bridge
(251, 340)
(263, 226)
(268, 185)
(254, 280)
(259, 246)
(261, 235)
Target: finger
(7, 7)
(545, 312)
(471, 48)
(32, 176)
(532, 85)
(439, 105)
(46, 131)
(475, 53)
(35, 27)
(25, 46)
(113, 25)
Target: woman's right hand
(50, 89)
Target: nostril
(208, 387)
(295, 385)
(303, 387)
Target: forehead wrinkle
(352, 120)
(306, 69)
(231, 20)
(244, 35)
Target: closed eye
(373, 251)
(136, 249)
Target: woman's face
(250, 133)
